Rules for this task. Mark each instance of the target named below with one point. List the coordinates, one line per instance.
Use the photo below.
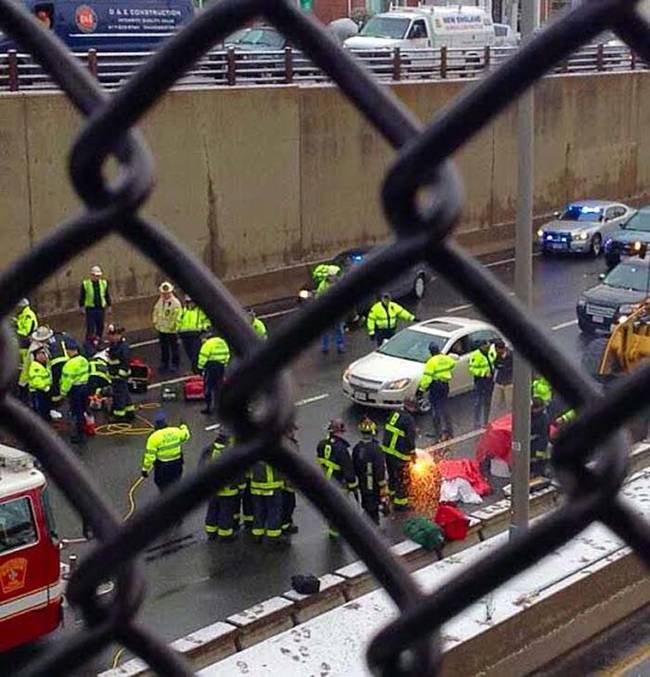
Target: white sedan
(388, 375)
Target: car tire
(586, 328)
(596, 246)
(419, 286)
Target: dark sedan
(629, 239)
(410, 283)
(617, 294)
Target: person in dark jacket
(333, 455)
(398, 445)
(539, 423)
(119, 365)
(502, 392)
(370, 469)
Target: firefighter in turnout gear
(370, 469)
(399, 446)
(214, 357)
(438, 371)
(120, 370)
(223, 507)
(266, 491)
(288, 490)
(539, 422)
(74, 385)
(99, 376)
(333, 455)
(164, 452)
(383, 316)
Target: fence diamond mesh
(422, 197)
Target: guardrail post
(288, 65)
(231, 67)
(443, 62)
(632, 60)
(487, 58)
(92, 62)
(12, 65)
(600, 57)
(397, 64)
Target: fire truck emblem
(12, 575)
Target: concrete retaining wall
(260, 179)
(272, 616)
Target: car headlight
(581, 236)
(540, 232)
(637, 246)
(626, 308)
(304, 294)
(400, 384)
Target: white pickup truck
(426, 27)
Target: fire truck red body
(30, 572)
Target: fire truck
(31, 587)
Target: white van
(425, 27)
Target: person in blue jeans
(337, 330)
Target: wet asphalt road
(193, 583)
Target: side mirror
(454, 356)
(602, 276)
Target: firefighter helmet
(367, 425)
(336, 425)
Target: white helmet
(166, 288)
(96, 270)
(23, 303)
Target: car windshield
(261, 36)
(628, 276)
(640, 221)
(582, 213)
(410, 344)
(385, 27)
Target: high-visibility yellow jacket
(192, 319)
(87, 295)
(481, 365)
(437, 368)
(166, 314)
(75, 373)
(542, 390)
(382, 316)
(215, 349)
(26, 323)
(165, 445)
(259, 328)
(39, 377)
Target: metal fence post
(600, 57)
(92, 62)
(487, 59)
(231, 67)
(443, 62)
(397, 64)
(288, 65)
(12, 65)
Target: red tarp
(467, 469)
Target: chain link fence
(422, 197)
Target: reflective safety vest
(193, 319)
(333, 456)
(369, 467)
(75, 373)
(323, 286)
(568, 416)
(541, 389)
(265, 480)
(396, 440)
(323, 271)
(382, 316)
(164, 445)
(259, 327)
(98, 368)
(482, 365)
(232, 489)
(215, 349)
(89, 293)
(26, 323)
(437, 368)
(39, 377)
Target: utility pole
(523, 289)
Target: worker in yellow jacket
(383, 316)
(164, 452)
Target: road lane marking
(171, 381)
(564, 325)
(457, 440)
(503, 262)
(455, 309)
(299, 403)
(142, 344)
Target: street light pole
(519, 513)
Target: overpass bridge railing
(19, 71)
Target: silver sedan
(582, 226)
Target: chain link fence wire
(422, 197)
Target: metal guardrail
(422, 198)
(19, 71)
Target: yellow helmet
(367, 425)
